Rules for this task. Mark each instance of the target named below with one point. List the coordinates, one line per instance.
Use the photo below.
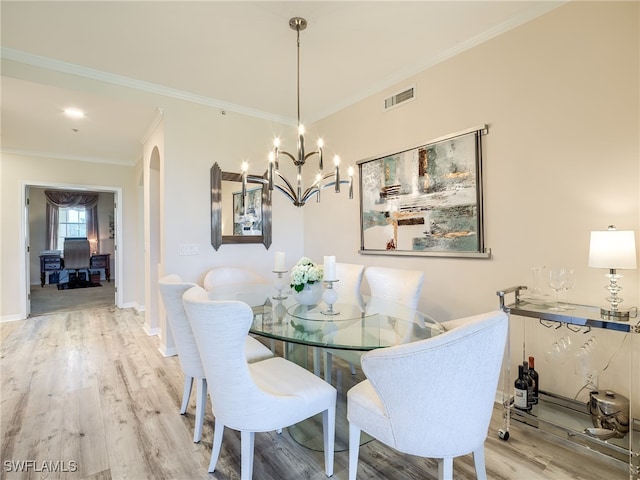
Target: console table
(102, 260)
(567, 417)
(51, 263)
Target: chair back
(223, 276)
(450, 381)
(77, 253)
(395, 285)
(171, 290)
(220, 329)
(350, 281)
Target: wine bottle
(529, 380)
(521, 391)
(535, 377)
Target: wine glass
(569, 282)
(557, 277)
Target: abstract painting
(247, 218)
(426, 200)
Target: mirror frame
(217, 239)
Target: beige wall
(561, 98)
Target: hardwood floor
(87, 395)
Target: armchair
(77, 257)
(431, 398)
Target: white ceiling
(234, 55)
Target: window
(72, 222)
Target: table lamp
(613, 249)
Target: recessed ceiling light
(74, 113)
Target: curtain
(62, 199)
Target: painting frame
(425, 200)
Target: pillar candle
(330, 268)
(279, 266)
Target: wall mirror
(235, 221)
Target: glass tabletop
(373, 323)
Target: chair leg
(186, 393)
(201, 401)
(478, 460)
(247, 440)
(354, 450)
(329, 438)
(353, 368)
(445, 468)
(218, 431)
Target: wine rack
(565, 417)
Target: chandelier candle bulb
(301, 144)
(330, 268)
(279, 265)
(320, 152)
(245, 167)
(318, 180)
(270, 171)
(276, 151)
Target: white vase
(311, 294)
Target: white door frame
(25, 275)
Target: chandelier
(275, 179)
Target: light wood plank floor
(89, 390)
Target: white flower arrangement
(305, 271)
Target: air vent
(399, 98)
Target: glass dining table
(358, 327)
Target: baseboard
(10, 318)
(169, 352)
(151, 331)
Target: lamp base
(619, 315)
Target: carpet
(49, 299)
(70, 286)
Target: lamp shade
(613, 249)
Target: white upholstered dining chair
(395, 285)
(225, 276)
(219, 281)
(348, 288)
(171, 290)
(258, 397)
(432, 398)
(402, 287)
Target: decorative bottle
(521, 386)
(534, 376)
(529, 380)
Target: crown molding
(74, 158)
(122, 81)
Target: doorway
(43, 295)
